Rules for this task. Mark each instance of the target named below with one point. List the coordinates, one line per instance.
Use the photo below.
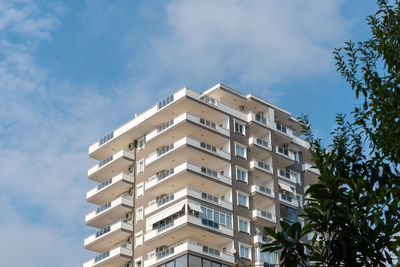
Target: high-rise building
(194, 180)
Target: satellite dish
(233, 251)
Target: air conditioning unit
(131, 146)
(130, 169)
(128, 216)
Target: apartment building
(193, 181)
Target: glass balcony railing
(105, 161)
(163, 200)
(263, 165)
(103, 231)
(104, 207)
(106, 138)
(165, 101)
(102, 185)
(165, 253)
(265, 190)
(164, 174)
(165, 125)
(164, 149)
(102, 256)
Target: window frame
(247, 247)
(245, 171)
(140, 163)
(139, 186)
(243, 125)
(141, 142)
(244, 149)
(139, 214)
(244, 220)
(242, 195)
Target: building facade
(193, 181)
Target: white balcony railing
(183, 220)
(260, 142)
(183, 117)
(109, 160)
(122, 200)
(301, 142)
(261, 166)
(265, 190)
(186, 245)
(290, 175)
(117, 255)
(109, 230)
(186, 166)
(109, 183)
(266, 215)
(155, 205)
(182, 142)
(292, 200)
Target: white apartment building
(193, 181)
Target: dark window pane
(181, 261)
(194, 261)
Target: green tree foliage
(354, 209)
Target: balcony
(261, 239)
(178, 121)
(184, 223)
(111, 188)
(289, 199)
(303, 144)
(110, 212)
(183, 142)
(110, 166)
(160, 203)
(187, 245)
(289, 175)
(106, 238)
(173, 179)
(311, 174)
(258, 119)
(262, 166)
(284, 130)
(264, 190)
(115, 257)
(261, 143)
(265, 215)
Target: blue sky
(72, 71)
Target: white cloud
(261, 42)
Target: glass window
(242, 200)
(139, 190)
(243, 226)
(244, 252)
(140, 166)
(194, 261)
(141, 142)
(239, 128)
(139, 214)
(241, 175)
(206, 263)
(240, 151)
(268, 257)
(180, 262)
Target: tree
(354, 208)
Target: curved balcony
(262, 167)
(264, 218)
(110, 212)
(311, 174)
(186, 192)
(172, 179)
(188, 245)
(106, 238)
(110, 166)
(111, 188)
(114, 257)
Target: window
(244, 251)
(141, 142)
(140, 166)
(267, 257)
(139, 239)
(288, 214)
(244, 226)
(241, 174)
(139, 214)
(240, 151)
(138, 262)
(239, 128)
(243, 200)
(214, 218)
(139, 190)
